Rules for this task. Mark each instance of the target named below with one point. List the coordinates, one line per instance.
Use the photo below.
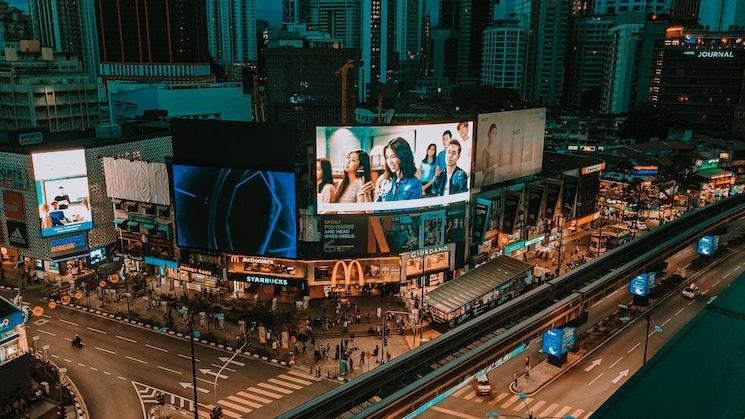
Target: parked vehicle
(482, 385)
(691, 291)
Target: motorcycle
(77, 342)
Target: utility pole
(193, 364)
(343, 72)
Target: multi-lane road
(122, 367)
(584, 387)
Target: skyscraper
(721, 15)
(296, 11)
(377, 44)
(427, 44)
(156, 40)
(231, 31)
(473, 18)
(547, 50)
(408, 33)
(339, 18)
(621, 6)
(590, 50)
(503, 60)
(67, 26)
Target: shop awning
(164, 227)
(133, 223)
(457, 293)
(120, 222)
(714, 173)
(148, 226)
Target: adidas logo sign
(17, 237)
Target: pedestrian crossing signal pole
(193, 364)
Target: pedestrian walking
(351, 364)
(318, 371)
(380, 312)
(514, 375)
(527, 366)
(376, 351)
(304, 347)
(388, 356)
(362, 358)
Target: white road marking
(510, 401)
(563, 411)
(285, 384)
(156, 348)
(45, 332)
(206, 381)
(716, 283)
(46, 315)
(727, 276)
(220, 366)
(453, 413)
(97, 330)
(704, 292)
(187, 357)
(294, 379)
(614, 364)
(68, 322)
(690, 302)
(499, 398)
(577, 413)
(235, 406)
(135, 359)
(55, 356)
(666, 322)
(243, 401)
(538, 405)
(522, 405)
(635, 346)
(68, 339)
(303, 375)
(105, 350)
(461, 391)
(82, 365)
(170, 370)
(127, 339)
(275, 388)
(612, 293)
(591, 382)
(94, 368)
(550, 409)
(254, 397)
(679, 311)
(107, 373)
(264, 392)
(121, 378)
(470, 395)
(67, 360)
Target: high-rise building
(603, 7)
(427, 45)
(67, 26)
(377, 41)
(685, 10)
(588, 55)
(14, 23)
(408, 34)
(699, 76)
(547, 49)
(153, 40)
(339, 18)
(231, 31)
(721, 15)
(631, 55)
(444, 54)
(448, 12)
(296, 11)
(473, 18)
(503, 60)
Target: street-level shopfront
(200, 277)
(166, 269)
(434, 265)
(267, 277)
(354, 277)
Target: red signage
(13, 204)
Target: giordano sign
(423, 254)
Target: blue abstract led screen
(235, 210)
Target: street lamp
(657, 329)
(224, 366)
(560, 226)
(192, 334)
(382, 338)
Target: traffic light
(216, 413)
(161, 399)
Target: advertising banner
(235, 210)
(552, 197)
(455, 225)
(510, 145)
(557, 342)
(382, 168)
(139, 181)
(68, 245)
(401, 232)
(62, 192)
(344, 235)
(428, 259)
(511, 204)
(433, 228)
(17, 234)
(13, 205)
(12, 177)
(262, 266)
(569, 196)
(535, 198)
(707, 245)
(482, 213)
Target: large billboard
(137, 180)
(383, 168)
(235, 210)
(510, 145)
(62, 192)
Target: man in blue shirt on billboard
(453, 179)
(440, 160)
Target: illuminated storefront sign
(268, 280)
(348, 269)
(715, 54)
(68, 245)
(188, 269)
(428, 260)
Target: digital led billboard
(510, 145)
(235, 210)
(376, 168)
(62, 192)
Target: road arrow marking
(190, 385)
(624, 373)
(594, 364)
(225, 359)
(711, 299)
(210, 372)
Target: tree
(649, 121)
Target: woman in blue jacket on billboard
(399, 181)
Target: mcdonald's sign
(348, 269)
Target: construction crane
(343, 73)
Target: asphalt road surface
(121, 368)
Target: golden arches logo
(348, 272)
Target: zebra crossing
(148, 396)
(539, 408)
(242, 403)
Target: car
(691, 291)
(481, 385)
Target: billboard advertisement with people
(510, 145)
(62, 192)
(366, 169)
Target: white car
(481, 385)
(691, 291)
